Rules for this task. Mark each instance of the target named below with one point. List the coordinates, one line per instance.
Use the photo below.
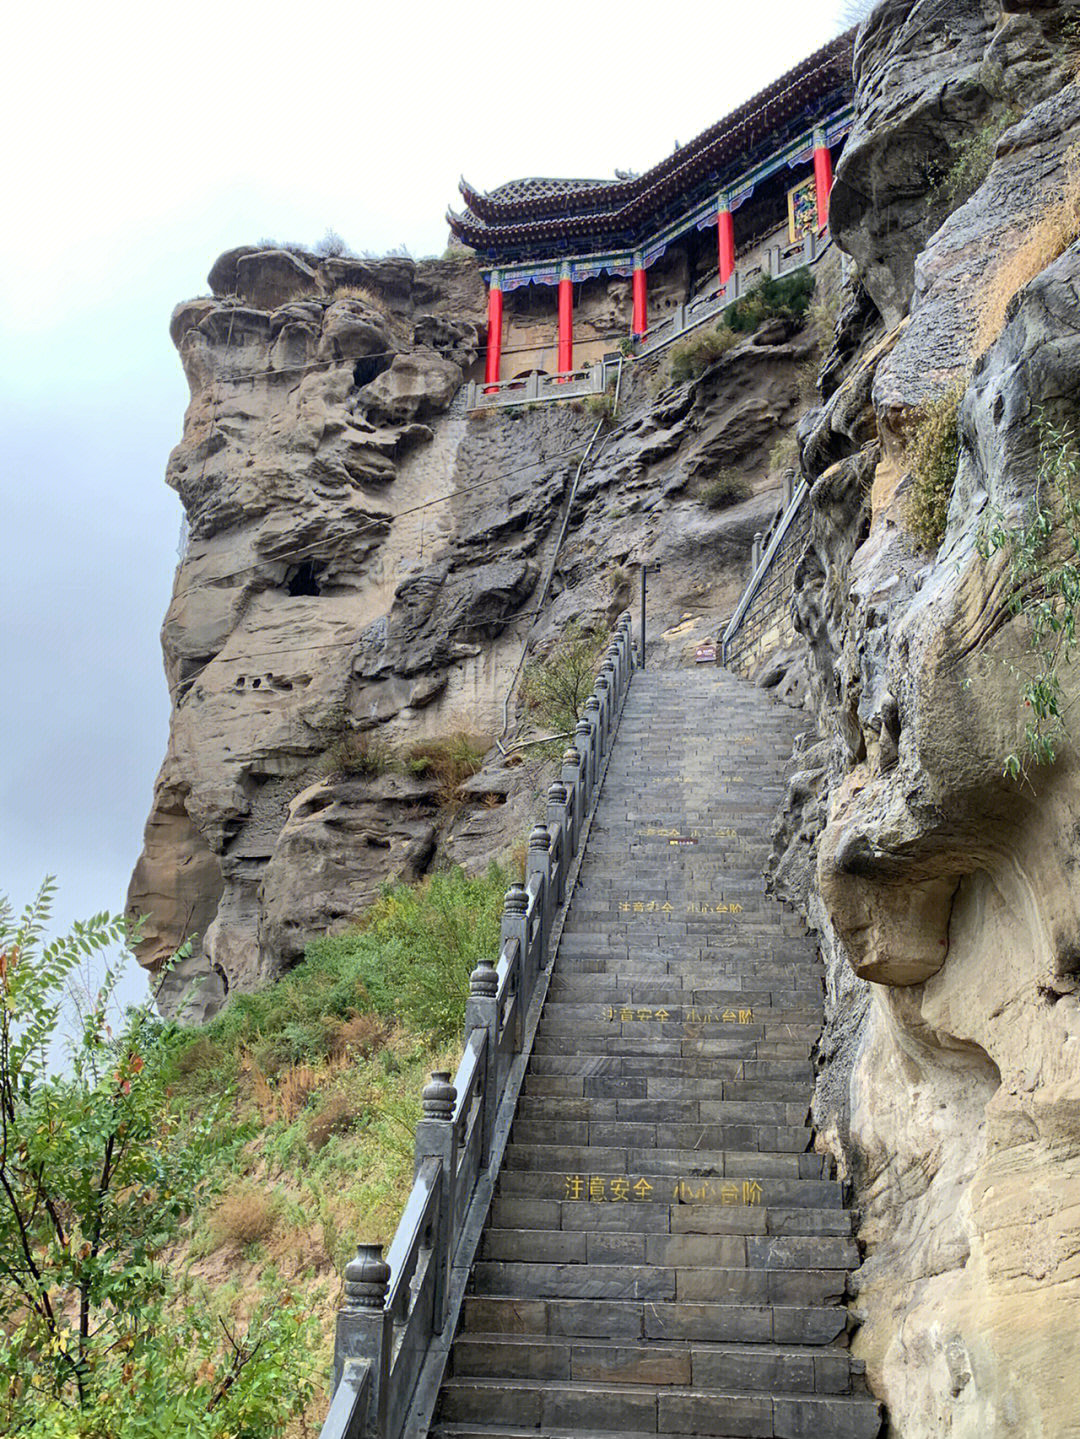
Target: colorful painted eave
(587, 264)
(538, 211)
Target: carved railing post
(482, 1012)
(365, 1330)
(436, 1138)
(583, 743)
(515, 925)
(558, 820)
(602, 691)
(594, 716)
(539, 863)
(571, 778)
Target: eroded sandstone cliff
(363, 558)
(944, 891)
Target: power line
(383, 521)
(187, 681)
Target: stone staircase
(664, 1254)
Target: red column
(495, 317)
(640, 323)
(822, 178)
(566, 321)
(725, 227)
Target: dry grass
(784, 455)
(725, 490)
(359, 1035)
(284, 1099)
(1045, 238)
(241, 1217)
(334, 1116)
(356, 752)
(364, 294)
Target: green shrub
(787, 298)
(694, 355)
(557, 684)
(725, 490)
(971, 162)
(933, 454)
(412, 958)
(97, 1176)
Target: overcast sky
(142, 141)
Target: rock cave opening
(303, 579)
(368, 368)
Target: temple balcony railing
(777, 260)
(537, 388)
(399, 1314)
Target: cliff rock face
(364, 560)
(944, 891)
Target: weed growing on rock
(933, 454)
(725, 490)
(1043, 554)
(450, 761)
(601, 407)
(412, 957)
(693, 356)
(787, 298)
(972, 159)
(784, 455)
(356, 752)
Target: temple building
(626, 255)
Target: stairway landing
(665, 1254)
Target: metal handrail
(399, 1313)
(763, 567)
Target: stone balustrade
(398, 1315)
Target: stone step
(604, 1079)
(662, 1111)
(825, 1370)
(572, 989)
(708, 1138)
(661, 1018)
(580, 1410)
(721, 1042)
(647, 1159)
(651, 1186)
(517, 1212)
(627, 1318)
(679, 1071)
(714, 1251)
(657, 1282)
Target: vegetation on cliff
(176, 1205)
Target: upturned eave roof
(531, 210)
